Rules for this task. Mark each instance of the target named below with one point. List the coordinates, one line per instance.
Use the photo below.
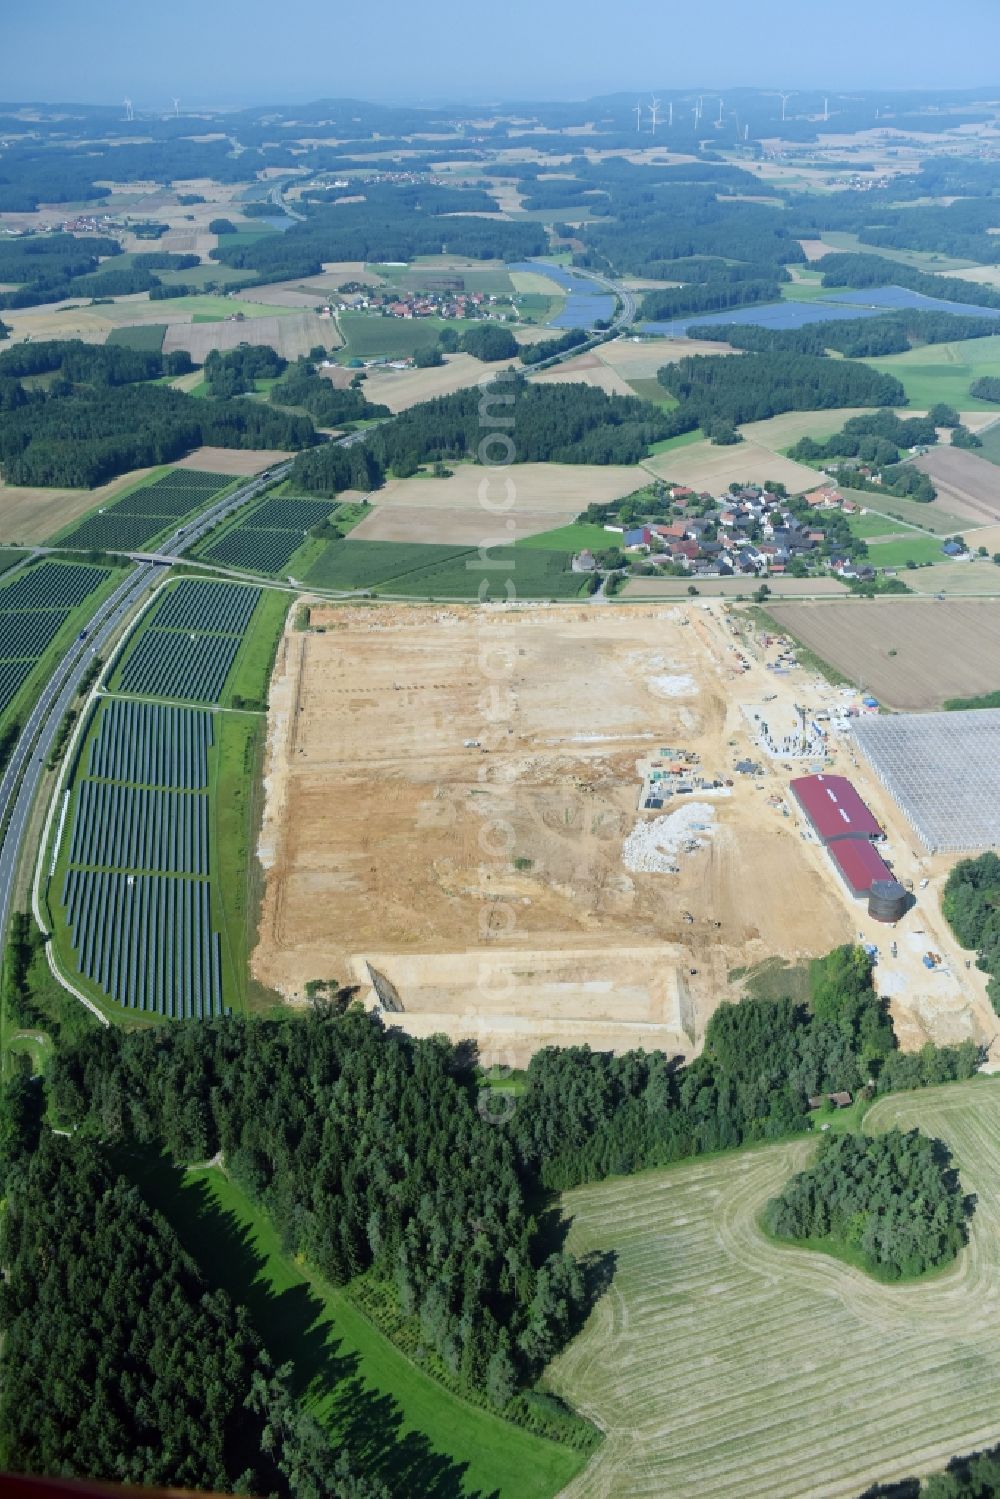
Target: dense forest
(369, 1151)
(523, 423)
(855, 338)
(102, 415)
(875, 439)
(853, 270)
(386, 226)
(236, 372)
(971, 903)
(587, 1115)
(708, 296)
(754, 386)
(302, 387)
(118, 1362)
(986, 388)
(892, 1200)
(548, 348)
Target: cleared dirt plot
(529, 498)
(400, 389)
(383, 844)
(731, 588)
(291, 334)
(586, 369)
(968, 485)
(33, 515)
(702, 465)
(940, 650)
(641, 360)
(721, 1363)
(236, 462)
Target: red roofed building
(835, 809)
(858, 864)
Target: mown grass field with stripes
(722, 1363)
(152, 885)
(133, 521)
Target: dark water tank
(887, 900)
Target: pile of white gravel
(653, 847)
(674, 686)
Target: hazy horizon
(229, 57)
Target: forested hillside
(118, 1363)
(102, 415)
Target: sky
(416, 51)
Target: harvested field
(33, 515)
(546, 495)
(235, 461)
(490, 889)
(730, 588)
(576, 372)
(957, 580)
(400, 389)
(967, 484)
(702, 465)
(943, 650)
(291, 334)
(757, 1396)
(640, 361)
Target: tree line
(368, 1149)
(855, 338)
(971, 904)
(119, 1362)
(758, 385)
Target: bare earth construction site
(452, 802)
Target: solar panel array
(943, 770)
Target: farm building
(859, 865)
(834, 809)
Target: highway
(23, 776)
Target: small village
(751, 531)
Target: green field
(990, 440)
(411, 1432)
(944, 372)
(201, 275)
(865, 526)
(652, 390)
(147, 337)
(371, 336)
(898, 553)
(571, 538)
(684, 440)
(933, 517)
(420, 570)
(722, 1363)
(212, 309)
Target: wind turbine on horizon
(127, 102)
(638, 118)
(177, 107)
(654, 114)
(784, 104)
